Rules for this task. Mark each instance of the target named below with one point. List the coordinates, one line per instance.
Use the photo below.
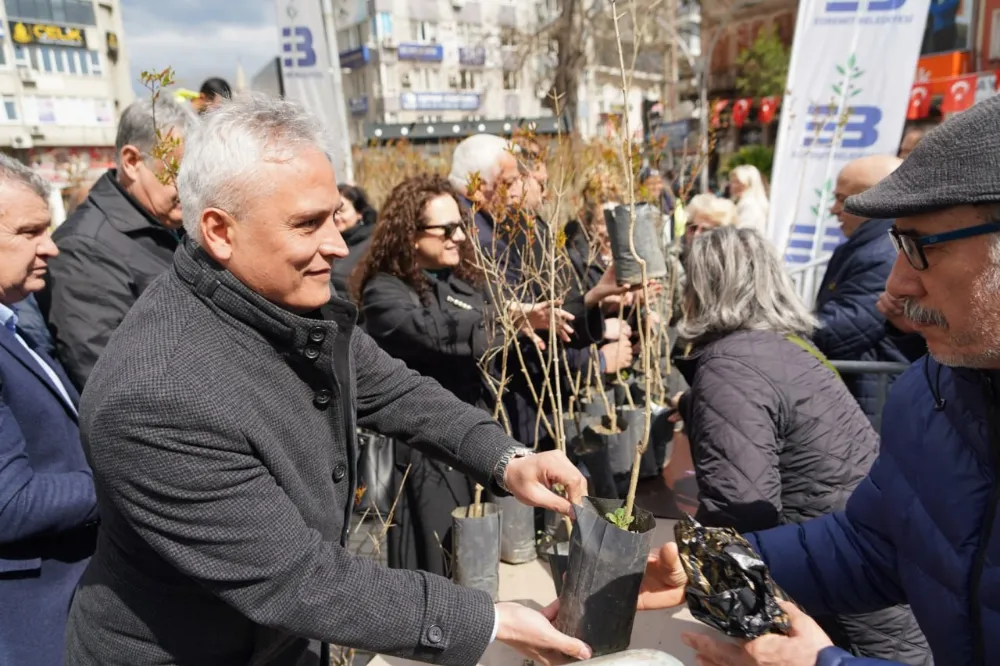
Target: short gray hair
(14, 172)
(224, 153)
(136, 126)
(735, 282)
(480, 153)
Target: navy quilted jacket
(852, 329)
(921, 529)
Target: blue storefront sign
(355, 58)
(443, 101)
(425, 52)
(358, 105)
(472, 55)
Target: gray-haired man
(117, 242)
(220, 424)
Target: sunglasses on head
(912, 246)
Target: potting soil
(729, 586)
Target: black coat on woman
(777, 438)
(441, 335)
(358, 238)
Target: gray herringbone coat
(221, 432)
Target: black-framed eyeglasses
(448, 229)
(912, 246)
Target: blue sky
(199, 38)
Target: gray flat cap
(957, 163)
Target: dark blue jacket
(921, 529)
(852, 329)
(48, 508)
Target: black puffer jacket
(777, 438)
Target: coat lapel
(17, 350)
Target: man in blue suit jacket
(48, 509)
(852, 329)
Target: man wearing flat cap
(924, 527)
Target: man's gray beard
(985, 310)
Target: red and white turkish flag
(741, 109)
(961, 94)
(768, 107)
(717, 110)
(920, 102)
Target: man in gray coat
(220, 426)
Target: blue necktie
(11, 323)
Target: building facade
(458, 63)
(64, 79)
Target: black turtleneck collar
(124, 212)
(358, 234)
(310, 336)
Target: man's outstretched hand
(531, 478)
(665, 579)
(800, 648)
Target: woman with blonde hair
(746, 186)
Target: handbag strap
(815, 353)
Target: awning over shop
(380, 132)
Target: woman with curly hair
(424, 301)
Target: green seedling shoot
(618, 518)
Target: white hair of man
(136, 127)
(14, 172)
(224, 154)
(480, 153)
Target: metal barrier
(886, 372)
(634, 658)
(807, 278)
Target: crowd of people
(185, 365)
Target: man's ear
(218, 232)
(130, 159)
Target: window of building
(350, 38)
(510, 80)
(58, 60)
(467, 80)
(423, 31)
(79, 12)
(10, 108)
(45, 61)
(508, 37)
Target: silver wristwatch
(501, 469)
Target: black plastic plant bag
(729, 586)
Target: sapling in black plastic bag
(729, 586)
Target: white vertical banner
(310, 71)
(849, 80)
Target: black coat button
(434, 634)
(339, 472)
(311, 353)
(317, 334)
(322, 398)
